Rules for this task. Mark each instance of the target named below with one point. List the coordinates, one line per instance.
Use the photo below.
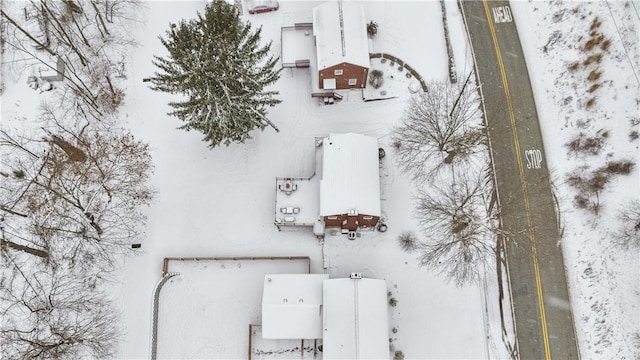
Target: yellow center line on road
(523, 183)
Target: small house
(342, 50)
(350, 184)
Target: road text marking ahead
(534, 158)
(502, 14)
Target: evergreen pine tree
(216, 61)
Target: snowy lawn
(221, 202)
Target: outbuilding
(342, 48)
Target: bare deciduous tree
(459, 235)
(74, 195)
(439, 127)
(628, 235)
(78, 34)
(50, 314)
(442, 130)
(72, 191)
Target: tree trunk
(29, 250)
(84, 39)
(43, 46)
(104, 26)
(113, 91)
(10, 211)
(60, 28)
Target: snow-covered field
(220, 202)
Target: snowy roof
(341, 34)
(356, 323)
(291, 306)
(350, 175)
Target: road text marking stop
(534, 158)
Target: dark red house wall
(350, 221)
(349, 71)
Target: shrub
(372, 28)
(581, 201)
(634, 135)
(393, 302)
(590, 103)
(594, 41)
(586, 145)
(408, 241)
(597, 182)
(590, 184)
(594, 87)
(594, 75)
(398, 355)
(376, 78)
(575, 180)
(573, 66)
(622, 167)
(595, 58)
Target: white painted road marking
(534, 158)
(502, 14)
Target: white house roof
(341, 34)
(291, 306)
(356, 323)
(350, 175)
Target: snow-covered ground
(220, 202)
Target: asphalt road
(538, 285)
